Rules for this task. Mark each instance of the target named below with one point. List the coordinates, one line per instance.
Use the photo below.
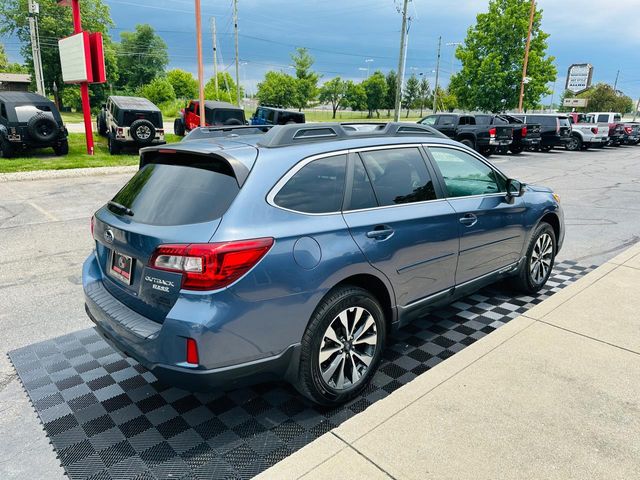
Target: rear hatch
(177, 198)
(564, 127)
(503, 132)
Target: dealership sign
(82, 58)
(574, 102)
(579, 77)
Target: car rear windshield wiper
(125, 210)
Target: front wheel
(62, 148)
(342, 346)
(516, 149)
(575, 143)
(6, 149)
(114, 148)
(539, 261)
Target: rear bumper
(530, 142)
(497, 142)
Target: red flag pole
(84, 86)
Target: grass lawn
(349, 116)
(74, 117)
(44, 159)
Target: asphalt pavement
(44, 238)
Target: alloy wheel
(143, 132)
(347, 348)
(541, 258)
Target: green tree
(375, 88)
(334, 92)
(447, 100)
(390, 97)
(356, 96)
(424, 94)
(159, 90)
(492, 57)
(411, 93)
(183, 83)
(227, 89)
(55, 22)
(603, 98)
(142, 56)
(277, 88)
(9, 67)
(306, 79)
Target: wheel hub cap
(541, 257)
(347, 348)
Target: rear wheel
(62, 148)
(178, 127)
(101, 124)
(342, 346)
(114, 148)
(575, 143)
(538, 263)
(6, 149)
(468, 143)
(516, 149)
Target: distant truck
(614, 121)
(464, 128)
(525, 135)
(217, 114)
(585, 133)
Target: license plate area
(120, 267)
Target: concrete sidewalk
(553, 394)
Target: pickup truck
(631, 135)
(464, 128)
(525, 135)
(555, 129)
(614, 121)
(585, 134)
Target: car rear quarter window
(603, 118)
(398, 175)
(162, 194)
(465, 175)
(447, 120)
(318, 187)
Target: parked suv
(464, 128)
(127, 121)
(293, 254)
(215, 113)
(555, 130)
(29, 120)
(268, 115)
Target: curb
(66, 173)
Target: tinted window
(317, 188)
(224, 116)
(362, 195)
(447, 120)
(162, 194)
(398, 176)
(564, 122)
(3, 111)
(617, 118)
(467, 121)
(131, 116)
(483, 119)
(465, 175)
(25, 112)
(603, 118)
(430, 120)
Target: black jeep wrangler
(130, 121)
(29, 120)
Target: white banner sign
(74, 58)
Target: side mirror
(514, 188)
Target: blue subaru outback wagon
(242, 256)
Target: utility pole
(435, 90)
(635, 113)
(215, 54)
(235, 26)
(526, 55)
(200, 65)
(401, 63)
(34, 9)
(615, 84)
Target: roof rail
(295, 134)
(227, 131)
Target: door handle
(381, 232)
(469, 220)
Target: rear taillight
(594, 130)
(192, 351)
(492, 132)
(524, 132)
(628, 130)
(209, 266)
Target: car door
(401, 224)
(191, 118)
(491, 225)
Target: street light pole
(526, 55)
(215, 54)
(401, 63)
(435, 90)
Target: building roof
(134, 103)
(15, 77)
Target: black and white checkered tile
(108, 418)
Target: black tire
(178, 127)
(468, 143)
(42, 128)
(62, 148)
(310, 382)
(516, 149)
(101, 124)
(525, 280)
(142, 131)
(6, 149)
(546, 148)
(114, 147)
(574, 144)
(487, 151)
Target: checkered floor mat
(108, 418)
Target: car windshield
(24, 113)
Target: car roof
(218, 104)
(280, 109)
(134, 103)
(23, 97)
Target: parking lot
(44, 237)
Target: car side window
(318, 187)
(398, 176)
(3, 111)
(430, 120)
(447, 120)
(603, 118)
(465, 175)
(362, 195)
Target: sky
(352, 38)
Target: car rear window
(223, 116)
(163, 194)
(24, 113)
(131, 116)
(564, 121)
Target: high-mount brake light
(209, 266)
